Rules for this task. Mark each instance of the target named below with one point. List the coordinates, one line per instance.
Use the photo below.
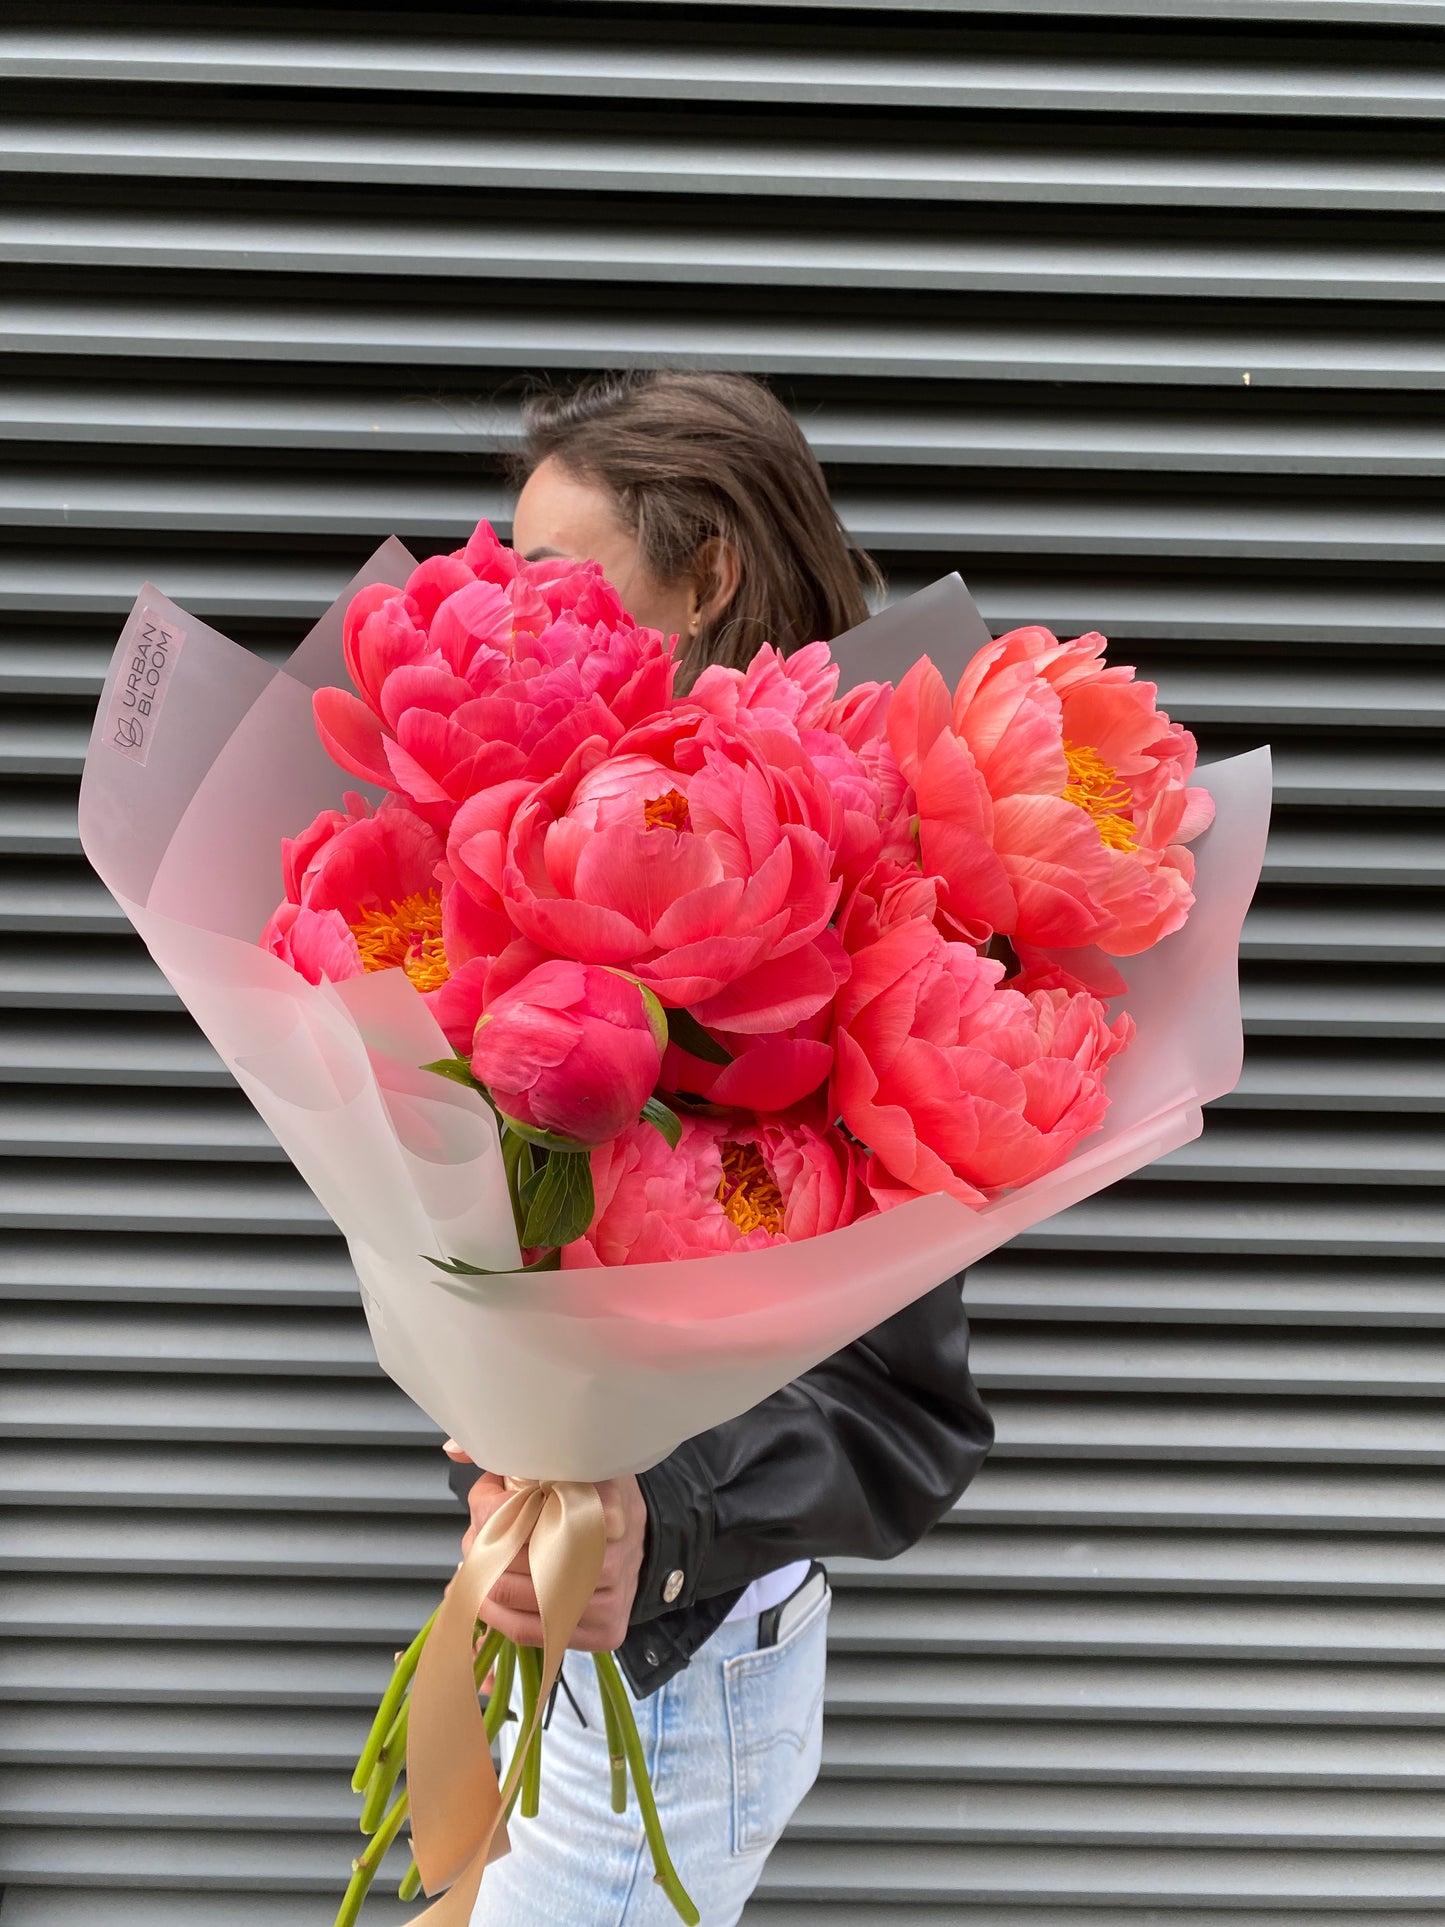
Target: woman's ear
(718, 573)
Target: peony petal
(774, 995)
(351, 735)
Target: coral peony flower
(957, 1085)
(702, 882)
(370, 892)
(767, 1074)
(1053, 777)
(727, 1187)
(781, 709)
(486, 669)
(573, 1048)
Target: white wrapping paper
(204, 757)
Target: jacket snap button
(673, 1586)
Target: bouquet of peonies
(604, 1000)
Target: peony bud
(573, 1049)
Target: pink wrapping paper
(203, 758)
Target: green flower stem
(410, 1884)
(529, 1664)
(392, 1757)
(387, 1711)
(610, 1682)
(616, 1754)
(501, 1698)
(514, 1150)
(363, 1870)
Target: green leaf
(548, 1140)
(656, 1113)
(562, 1206)
(688, 1034)
(527, 1189)
(459, 1268)
(459, 1070)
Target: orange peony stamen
(406, 937)
(667, 812)
(747, 1192)
(1095, 787)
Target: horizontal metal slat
(137, 1048)
(71, 1906)
(270, 328)
(1011, 1284)
(1039, 524)
(45, 972)
(1298, 13)
(1099, 1817)
(1050, 171)
(325, 1545)
(253, 1611)
(1223, 689)
(1166, 1877)
(1104, 1816)
(260, 1478)
(294, 1862)
(1129, 1626)
(1021, 1492)
(1252, 439)
(1179, 76)
(157, 1338)
(192, 1674)
(298, 241)
(1211, 1427)
(863, 1620)
(72, 1405)
(54, 1733)
(173, 1197)
(232, 586)
(1302, 1151)
(77, 1264)
(68, 1122)
(40, 971)
(969, 1556)
(1116, 1752)
(1162, 1360)
(1171, 1220)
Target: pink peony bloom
(372, 893)
(767, 1074)
(573, 1048)
(957, 1085)
(1053, 777)
(727, 1187)
(781, 710)
(713, 885)
(486, 669)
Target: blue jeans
(732, 1745)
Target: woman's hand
(512, 1603)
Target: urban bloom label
(135, 703)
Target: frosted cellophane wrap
(203, 758)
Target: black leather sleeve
(859, 1456)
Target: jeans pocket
(775, 1726)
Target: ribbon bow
(457, 1804)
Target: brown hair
(689, 457)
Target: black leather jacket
(859, 1456)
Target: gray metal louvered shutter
(1130, 310)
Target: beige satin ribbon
(456, 1802)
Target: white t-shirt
(769, 1591)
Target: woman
(704, 504)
